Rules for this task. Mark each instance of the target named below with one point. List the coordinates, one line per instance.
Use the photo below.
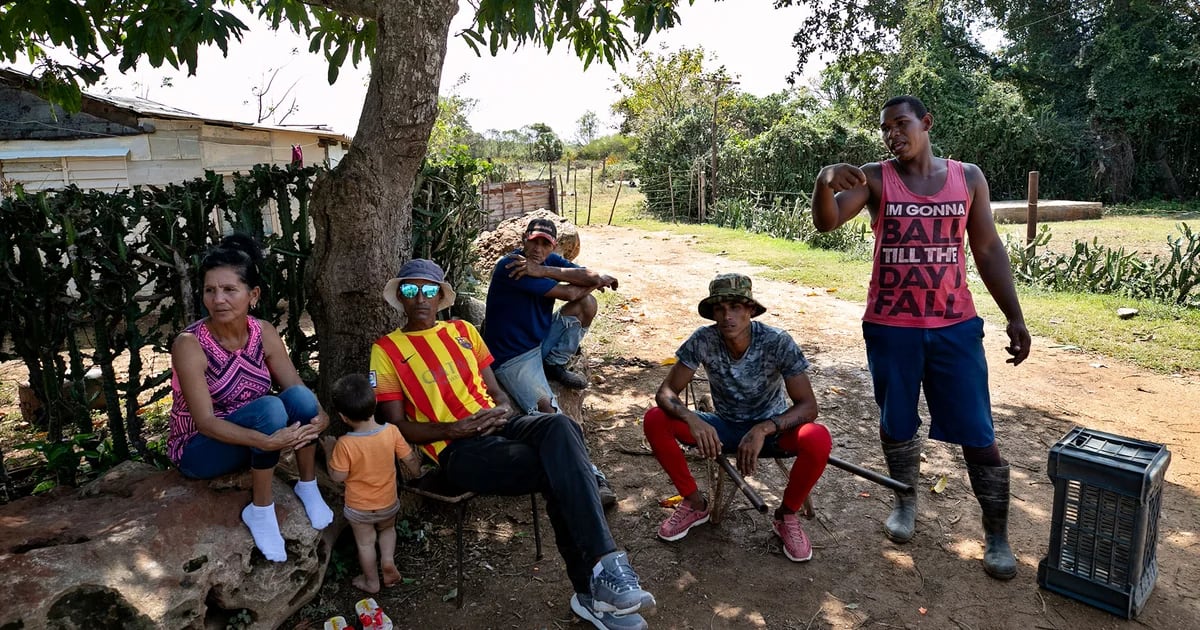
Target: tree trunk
(362, 210)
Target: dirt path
(733, 575)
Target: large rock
(491, 246)
(143, 548)
(470, 308)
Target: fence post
(618, 196)
(1032, 214)
(575, 188)
(591, 170)
(562, 195)
(700, 198)
(671, 191)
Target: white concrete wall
(176, 151)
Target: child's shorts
(370, 517)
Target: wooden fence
(512, 199)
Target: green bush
(1094, 268)
(616, 145)
(89, 276)
(447, 216)
(792, 220)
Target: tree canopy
(1113, 83)
(362, 209)
(171, 31)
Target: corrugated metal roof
(146, 107)
(151, 109)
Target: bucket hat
(729, 287)
(419, 269)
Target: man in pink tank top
(920, 325)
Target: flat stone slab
(1048, 210)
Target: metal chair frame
(721, 497)
(434, 486)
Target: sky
(749, 37)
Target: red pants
(810, 443)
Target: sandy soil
(733, 574)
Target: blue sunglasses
(430, 291)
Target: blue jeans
(731, 434)
(540, 453)
(563, 339)
(524, 378)
(205, 457)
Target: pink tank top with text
(919, 279)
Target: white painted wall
(176, 151)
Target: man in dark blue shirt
(531, 342)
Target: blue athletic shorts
(949, 364)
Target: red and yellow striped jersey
(437, 372)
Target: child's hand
(327, 444)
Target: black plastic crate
(1107, 496)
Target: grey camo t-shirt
(750, 389)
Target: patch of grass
(1146, 235)
(1161, 338)
(1153, 207)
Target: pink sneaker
(681, 521)
(796, 545)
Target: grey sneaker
(568, 378)
(581, 603)
(608, 498)
(616, 590)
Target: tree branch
(366, 9)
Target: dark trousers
(540, 453)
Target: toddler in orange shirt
(365, 459)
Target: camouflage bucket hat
(729, 287)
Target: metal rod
(740, 482)
(871, 475)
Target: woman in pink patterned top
(224, 416)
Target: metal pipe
(740, 482)
(871, 475)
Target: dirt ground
(733, 574)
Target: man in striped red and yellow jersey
(433, 380)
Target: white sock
(265, 530)
(318, 512)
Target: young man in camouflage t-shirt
(764, 407)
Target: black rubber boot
(990, 484)
(904, 464)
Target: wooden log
(1048, 210)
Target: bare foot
(363, 584)
(391, 575)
